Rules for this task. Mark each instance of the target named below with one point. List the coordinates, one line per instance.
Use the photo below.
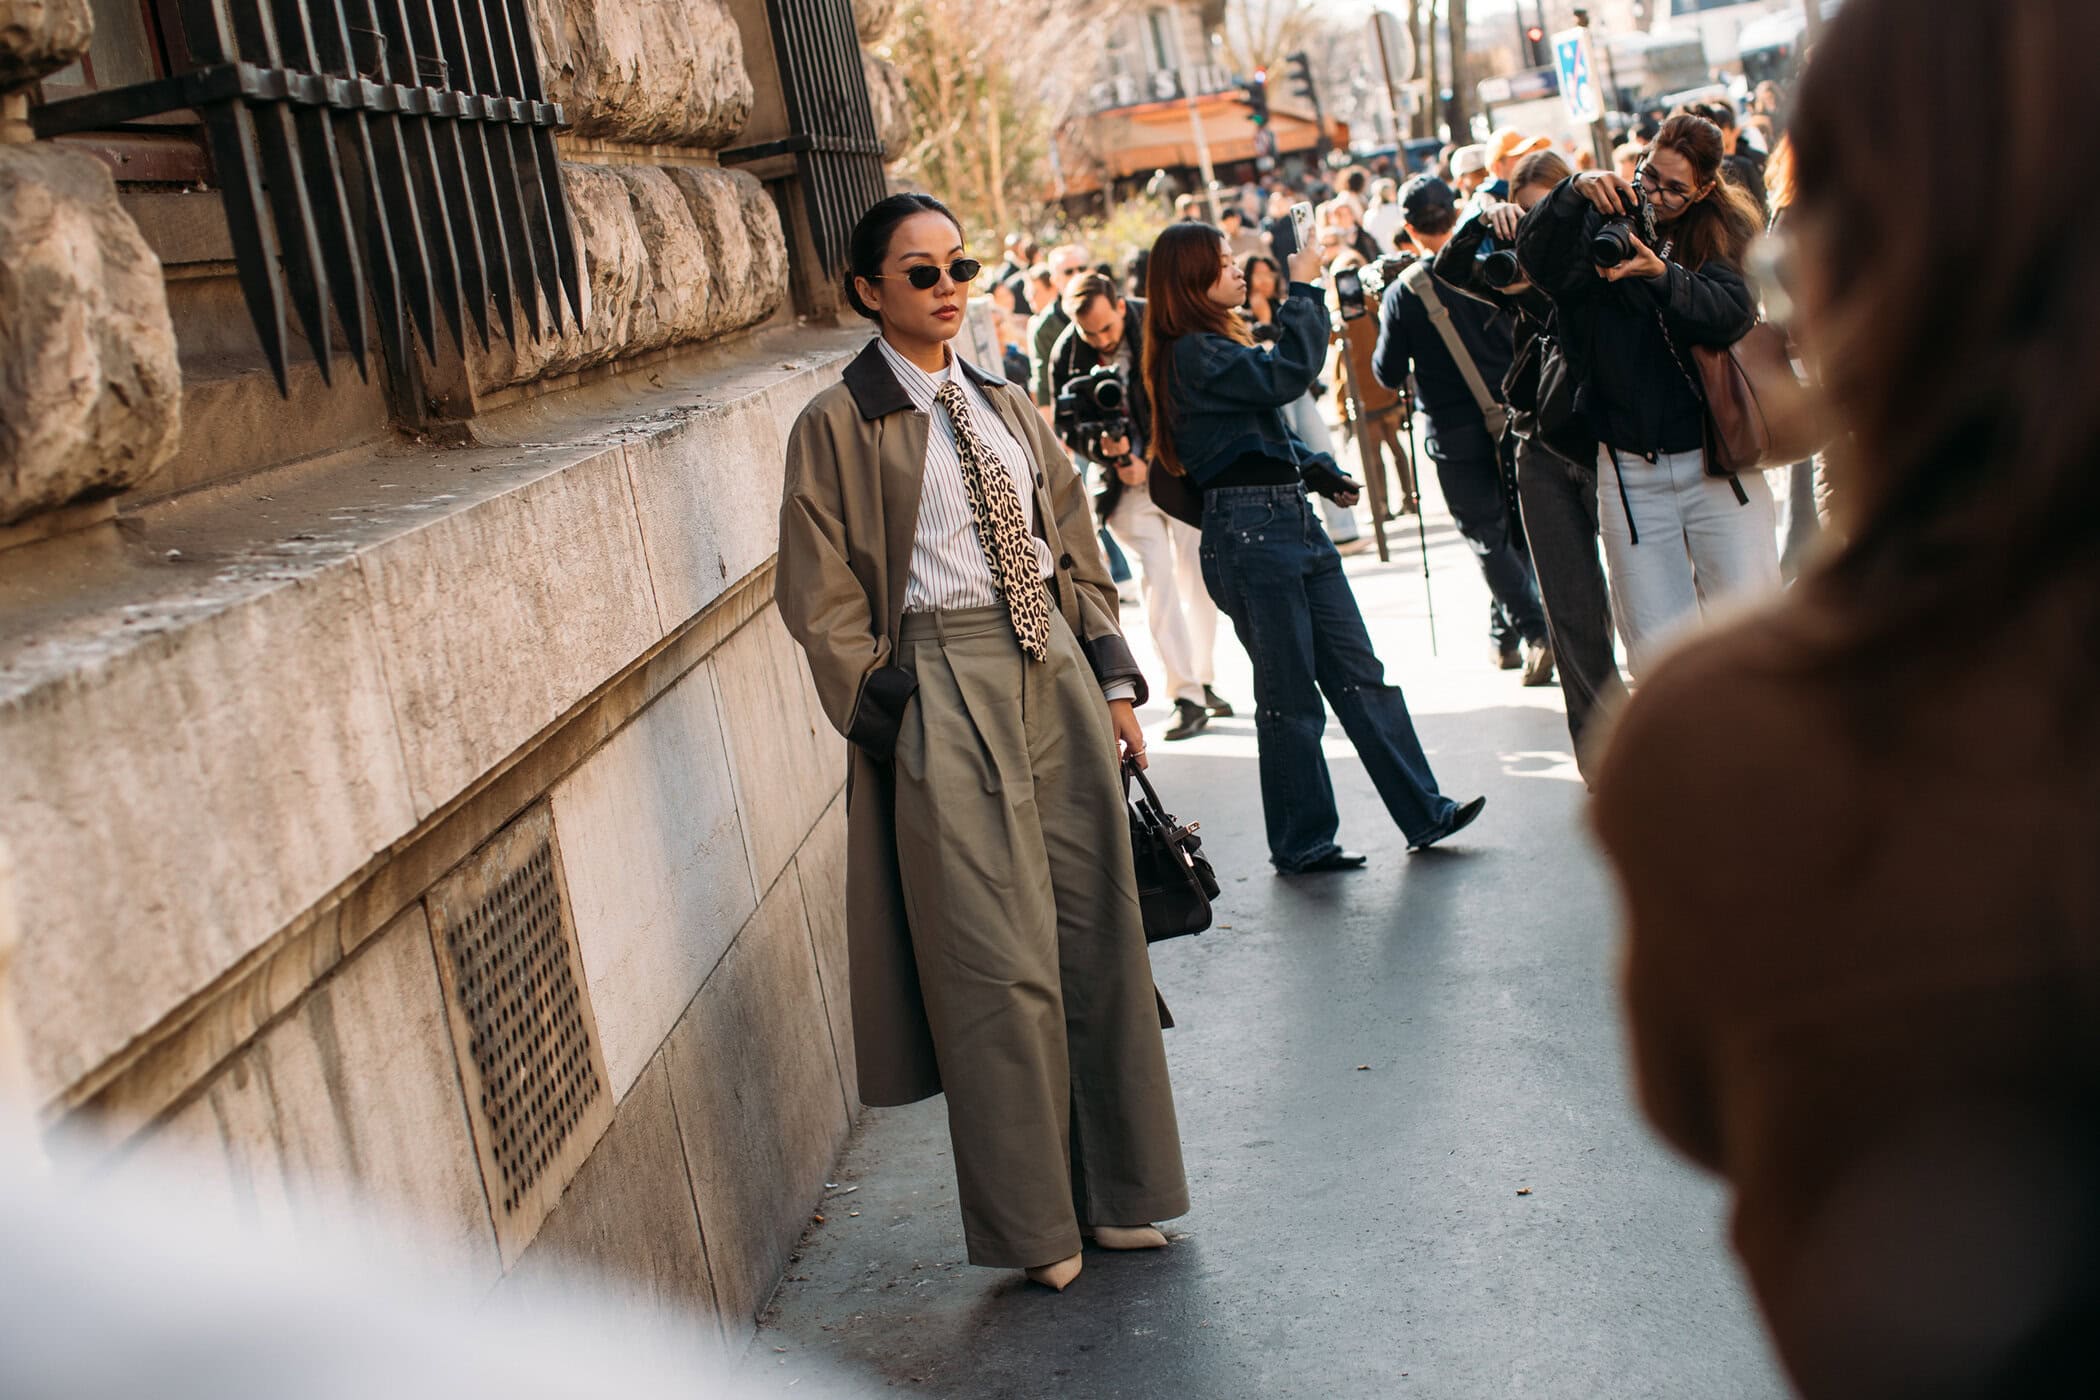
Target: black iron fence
(391, 153)
(838, 156)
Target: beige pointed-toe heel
(1129, 1237)
(1056, 1276)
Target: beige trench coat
(855, 461)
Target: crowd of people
(1849, 818)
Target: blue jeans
(1273, 571)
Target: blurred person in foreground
(1889, 1054)
(1217, 399)
(1556, 458)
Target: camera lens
(1108, 395)
(1613, 244)
(1500, 269)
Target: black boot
(1218, 705)
(1191, 722)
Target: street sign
(1578, 82)
(1389, 37)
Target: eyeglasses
(1672, 191)
(927, 276)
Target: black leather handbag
(1175, 882)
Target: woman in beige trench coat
(939, 568)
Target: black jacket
(1457, 267)
(1071, 357)
(1406, 337)
(1636, 389)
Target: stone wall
(229, 892)
(658, 72)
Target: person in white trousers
(1641, 273)
(1178, 608)
(1697, 545)
(1106, 338)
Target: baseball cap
(1423, 195)
(1511, 142)
(1467, 159)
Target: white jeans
(1698, 545)
(1178, 607)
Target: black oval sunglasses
(927, 276)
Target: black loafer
(1218, 706)
(1333, 861)
(1460, 820)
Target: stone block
(821, 866)
(759, 1106)
(890, 97)
(39, 37)
(739, 225)
(708, 494)
(627, 1223)
(670, 258)
(663, 72)
(788, 760)
(476, 672)
(90, 394)
(350, 1104)
(182, 790)
(658, 880)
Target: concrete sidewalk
(1415, 1163)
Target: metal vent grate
(530, 1061)
(510, 962)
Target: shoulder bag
(1422, 282)
(1758, 410)
(1174, 880)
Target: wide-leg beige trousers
(1014, 846)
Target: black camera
(1498, 265)
(1612, 243)
(1096, 405)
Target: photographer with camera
(1217, 399)
(1640, 273)
(1102, 416)
(1556, 459)
(1459, 351)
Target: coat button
(1065, 562)
(1041, 480)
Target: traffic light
(1302, 84)
(1536, 37)
(1254, 96)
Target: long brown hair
(1541, 168)
(1721, 226)
(1780, 190)
(1959, 345)
(1178, 277)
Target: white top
(948, 568)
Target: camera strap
(1418, 279)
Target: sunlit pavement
(1415, 1162)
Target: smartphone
(1349, 291)
(1302, 224)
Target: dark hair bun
(869, 247)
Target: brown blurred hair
(1958, 338)
(1780, 190)
(1540, 168)
(1186, 262)
(1721, 226)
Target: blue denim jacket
(1228, 398)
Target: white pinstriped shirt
(948, 568)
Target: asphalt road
(1415, 1161)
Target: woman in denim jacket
(1217, 401)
